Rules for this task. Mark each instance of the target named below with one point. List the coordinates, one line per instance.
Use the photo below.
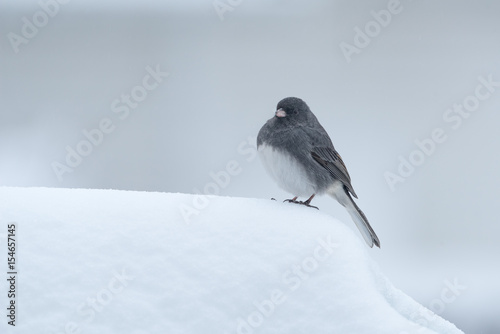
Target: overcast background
(226, 75)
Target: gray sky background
(225, 77)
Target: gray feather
(298, 153)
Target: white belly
(286, 171)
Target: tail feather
(361, 222)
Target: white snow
(106, 261)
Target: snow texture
(106, 261)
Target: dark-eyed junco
(298, 153)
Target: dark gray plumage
(298, 153)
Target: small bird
(299, 155)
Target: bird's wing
(331, 161)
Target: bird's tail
(361, 221)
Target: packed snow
(107, 261)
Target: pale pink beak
(280, 113)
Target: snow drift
(105, 261)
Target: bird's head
(293, 110)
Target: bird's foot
(306, 203)
(293, 200)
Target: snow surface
(107, 261)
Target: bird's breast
(289, 174)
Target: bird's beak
(280, 113)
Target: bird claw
(291, 201)
(306, 203)
(309, 206)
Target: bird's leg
(293, 200)
(306, 203)
(310, 199)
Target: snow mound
(106, 261)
